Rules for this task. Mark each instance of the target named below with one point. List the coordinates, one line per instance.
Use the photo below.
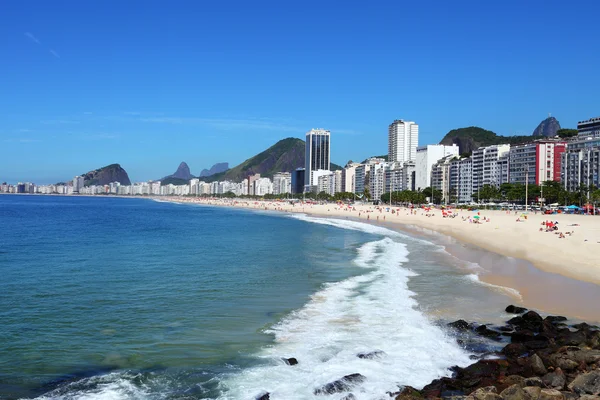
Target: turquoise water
(109, 298)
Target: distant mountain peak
(183, 171)
(215, 169)
(547, 128)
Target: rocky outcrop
(215, 169)
(105, 175)
(547, 128)
(545, 360)
(341, 385)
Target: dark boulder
(483, 330)
(555, 318)
(341, 385)
(265, 396)
(409, 393)
(371, 355)
(290, 361)
(555, 379)
(515, 310)
(461, 325)
(349, 396)
(588, 383)
(528, 321)
(514, 350)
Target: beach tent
(573, 207)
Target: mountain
(215, 169)
(469, 139)
(284, 156)
(183, 172)
(106, 175)
(547, 128)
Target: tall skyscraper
(403, 138)
(317, 155)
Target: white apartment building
(403, 139)
(282, 183)
(326, 183)
(426, 157)
(377, 180)
(263, 186)
(485, 167)
(348, 175)
(338, 181)
(78, 183)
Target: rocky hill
(215, 169)
(183, 172)
(106, 175)
(547, 128)
(284, 156)
(469, 139)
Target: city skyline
(92, 84)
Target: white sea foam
(370, 312)
(503, 289)
(113, 386)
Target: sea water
(110, 298)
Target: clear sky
(149, 84)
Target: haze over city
(148, 85)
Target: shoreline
(559, 282)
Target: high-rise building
(581, 161)
(536, 162)
(298, 180)
(317, 155)
(78, 183)
(486, 169)
(282, 183)
(403, 139)
(348, 174)
(426, 157)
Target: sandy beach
(572, 250)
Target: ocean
(113, 298)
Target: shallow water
(131, 299)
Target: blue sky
(149, 84)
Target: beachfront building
(315, 175)
(78, 183)
(298, 180)
(251, 179)
(263, 186)
(445, 178)
(317, 155)
(403, 139)
(377, 180)
(426, 157)
(485, 167)
(580, 162)
(282, 183)
(393, 178)
(338, 181)
(348, 177)
(361, 174)
(326, 182)
(589, 127)
(536, 162)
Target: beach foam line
(373, 312)
(357, 226)
(503, 289)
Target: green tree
(488, 193)
(566, 133)
(435, 196)
(367, 194)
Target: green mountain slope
(284, 156)
(469, 139)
